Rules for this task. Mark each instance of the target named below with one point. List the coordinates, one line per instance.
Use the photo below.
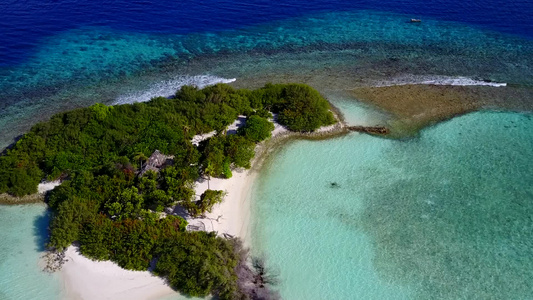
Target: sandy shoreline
(38, 197)
(87, 279)
(232, 216)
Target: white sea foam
(437, 80)
(169, 87)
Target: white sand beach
(84, 279)
(230, 217)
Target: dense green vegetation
(257, 128)
(114, 212)
(198, 264)
(300, 107)
(221, 152)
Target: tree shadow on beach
(240, 122)
(179, 210)
(40, 230)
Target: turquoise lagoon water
(23, 234)
(444, 216)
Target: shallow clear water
(23, 234)
(443, 216)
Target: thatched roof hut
(155, 162)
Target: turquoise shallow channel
(446, 215)
(23, 234)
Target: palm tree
(139, 156)
(186, 129)
(209, 170)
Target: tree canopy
(257, 128)
(300, 107)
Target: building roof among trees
(155, 162)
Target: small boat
(416, 20)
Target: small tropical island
(122, 166)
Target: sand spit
(38, 197)
(47, 186)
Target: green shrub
(257, 129)
(199, 264)
(303, 109)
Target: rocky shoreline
(6, 199)
(53, 260)
(372, 130)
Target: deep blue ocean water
(25, 23)
(58, 55)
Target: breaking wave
(438, 80)
(167, 88)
